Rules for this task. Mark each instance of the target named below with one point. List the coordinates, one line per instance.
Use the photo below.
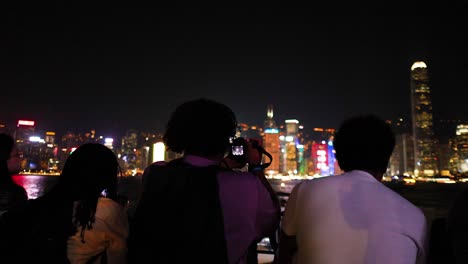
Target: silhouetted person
(11, 194)
(457, 225)
(439, 246)
(353, 218)
(196, 209)
(74, 222)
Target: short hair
(364, 143)
(200, 126)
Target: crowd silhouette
(207, 207)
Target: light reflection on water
(35, 185)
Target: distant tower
(425, 158)
(272, 142)
(269, 122)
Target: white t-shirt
(109, 233)
(353, 218)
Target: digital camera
(238, 150)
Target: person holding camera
(197, 209)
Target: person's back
(353, 218)
(39, 227)
(72, 223)
(191, 209)
(457, 228)
(11, 195)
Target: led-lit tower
(290, 150)
(425, 158)
(272, 142)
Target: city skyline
(130, 67)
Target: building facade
(425, 144)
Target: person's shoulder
(107, 202)
(323, 181)
(240, 179)
(389, 196)
(20, 189)
(107, 207)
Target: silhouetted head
(201, 127)
(9, 160)
(6, 146)
(89, 170)
(364, 143)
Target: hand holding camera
(245, 151)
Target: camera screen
(237, 150)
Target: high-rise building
(323, 157)
(425, 158)
(402, 159)
(24, 130)
(459, 158)
(289, 148)
(128, 152)
(50, 137)
(271, 142)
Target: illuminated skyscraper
(289, 149)
(425, 158)
(269, 122)
(272, 142)
(459, 159)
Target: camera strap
(263, 151)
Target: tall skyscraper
(272, 142)
(289, 149)
(422, 122)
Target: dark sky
(117, 67)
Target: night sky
(114, 67)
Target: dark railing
(283, 198)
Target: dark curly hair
(364, 143)
(202, 127)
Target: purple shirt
(248, 210)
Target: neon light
(159, 151)
(25, 123)
(292, 121)
(34, 139)
(271, 131)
